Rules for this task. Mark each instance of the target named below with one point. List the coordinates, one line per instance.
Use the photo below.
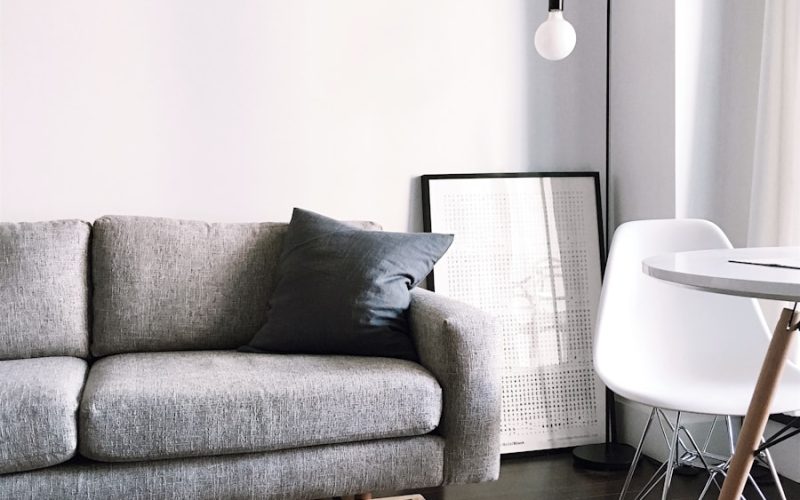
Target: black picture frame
(428, 181)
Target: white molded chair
(673, 348)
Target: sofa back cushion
(163, 284)
(168, 285)
(44, 289)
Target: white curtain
(775, 198)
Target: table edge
(738, 288)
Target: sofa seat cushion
(147, 406)
(38, 411)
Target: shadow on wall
(565, 120)
(564, 101)
(716, 119)
(415, 205)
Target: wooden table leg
(758, 412)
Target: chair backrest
(646, 326)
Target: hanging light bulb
(555, 38)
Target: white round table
(713, 271)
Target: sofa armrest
(460, 346)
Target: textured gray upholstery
(279, 426)
(163, 284)
(167, 285)
(303, 473)
(460, 345)
(181, 404)
(44, 289)
(38, 406)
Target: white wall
(719, 55)
(241, 110)
(642, 119)
(684, 90)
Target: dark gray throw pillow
(343, 290)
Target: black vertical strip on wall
(611, 400)
(608, 122)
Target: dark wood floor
(553, 477)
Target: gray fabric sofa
(119, 376)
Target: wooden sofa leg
(364, 496)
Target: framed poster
(528, 249)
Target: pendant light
(555, 38)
